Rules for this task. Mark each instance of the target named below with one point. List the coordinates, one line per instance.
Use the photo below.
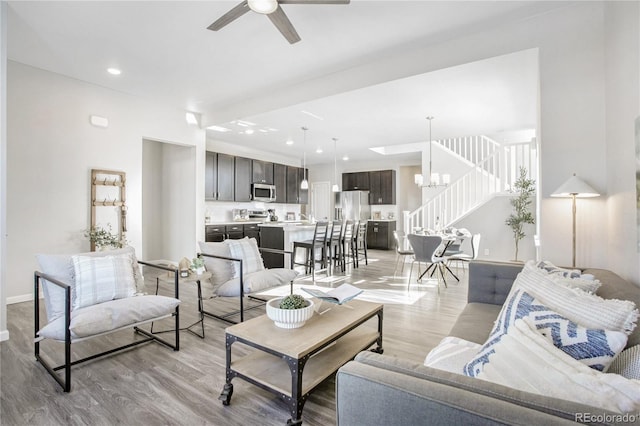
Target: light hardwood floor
(153, 385)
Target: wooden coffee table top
(318, 330)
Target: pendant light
(305, 183)
(434, 178)
(335, 187)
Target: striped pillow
(100, 279)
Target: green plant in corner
(521, 216)
(293, 301)
(104, 237)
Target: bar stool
(361, 243)
(312, 247)
(348, 246)
(334, 242)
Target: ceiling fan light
(263, 6)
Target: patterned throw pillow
(627, 364)
(594, 347)
(100, 279)
(247, 250)
(572, 278)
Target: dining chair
(425, 251)
(466, 257)
(317, 245)
(402, 251)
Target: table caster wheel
(225, 395)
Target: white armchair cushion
(109, 316)
(247, 250)
(100, 279)
(257, 281)
(60, 267)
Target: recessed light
(289, 142)
(248, 131)
(319, 151)
(114, 71)
(310, 114)
(345, 158)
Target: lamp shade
(575, 186)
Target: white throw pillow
(451, 354)
(100, 279)
(593, 347)
(570, 277)
(221, 270)
(588, 310)
(525, 360)
(247, 250)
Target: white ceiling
(247, 69)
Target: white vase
(288, 318)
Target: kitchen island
(281, 236)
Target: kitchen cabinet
(252, 231)
(382, 187)
(262, 171)
(280, 181)
(355, 181)
(295, 195)
(234, 232)
(380, 234)
(215, 233)
(219, 177)
(242, 179)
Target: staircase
(493, 169)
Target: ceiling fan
(272, 9)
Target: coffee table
(291, 363)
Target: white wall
(622, 63)
(51, 150)
(4, 333)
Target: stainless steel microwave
(263, 192)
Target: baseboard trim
(4, 335)
(19, 299)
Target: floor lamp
(575, 187)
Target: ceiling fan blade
(314, 1)
(230, 16)
(282, 23)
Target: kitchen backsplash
(220, 211)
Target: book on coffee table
(338, 295)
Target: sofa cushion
(100, 279)
(110, 316)
(523, 359)
(593, 347)
(60, 267)
(475, 322)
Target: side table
(192, 278)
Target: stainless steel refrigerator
(353, 205)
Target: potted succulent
(291, 311)
(197, 265)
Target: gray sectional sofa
(384, 390)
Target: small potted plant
(197, 265)
(291, 311)
(104, 238)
